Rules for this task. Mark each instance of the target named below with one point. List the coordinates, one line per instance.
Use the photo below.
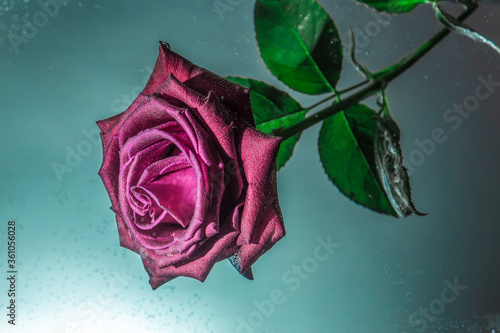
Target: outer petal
(271, 230)
(199, 264)
(262, 222)
(110, 126)
(110, 169)
(234, 96)
(124, 234)
(168, 63)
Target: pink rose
(191, 180)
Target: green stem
(319, 103)
(380, 79)
(340, 92)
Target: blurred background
(64, 66)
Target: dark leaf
(461, 28)
(389, 164)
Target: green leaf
(273, 109)
(361, 154)
(394, 6)
(299, 43)
(346, 150)
(389, 162)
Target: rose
(190, 179)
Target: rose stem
(380, 79)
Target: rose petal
(109, 171)
(201, 80)
(110, 126)
(126, 239)
(167, 63)
(139, 164)
(224, 132)
(262, 223)
(198, 265)
(175, 193)
(151, 114)
(271, 230)
(162, 236)
(174, 89)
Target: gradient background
(92, 58)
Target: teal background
(92, 58)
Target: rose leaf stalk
(380, 80)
